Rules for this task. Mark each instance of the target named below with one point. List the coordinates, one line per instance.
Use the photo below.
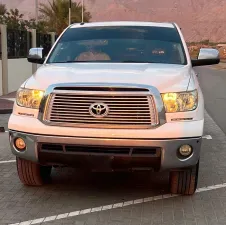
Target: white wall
(0, 77)
(19, 70)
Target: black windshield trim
(116, 62)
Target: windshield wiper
(82, 61)
(134, 61)
(70, 61)
(104, 61)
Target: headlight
(180, 101)
(29, 98)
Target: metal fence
(44, 41)
(19, 43)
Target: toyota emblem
(99, 110)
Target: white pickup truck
(112, 96)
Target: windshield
(141, 44)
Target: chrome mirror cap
(36, 55)
(208, 53)
(207, 56)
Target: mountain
(199, 19)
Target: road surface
(213, 84)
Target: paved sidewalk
(6, 103)
(6, 106)
(9, 96)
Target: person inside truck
(93, 53)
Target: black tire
(185, 181)
(32, 174)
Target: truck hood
(165, 77)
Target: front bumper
(166, 158)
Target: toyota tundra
(112, 96)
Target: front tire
(185, 181)
(32, 174)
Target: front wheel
(32, 174)
(185, 181)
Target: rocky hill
(199, 19)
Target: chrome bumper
(169, 147)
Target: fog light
(185, 150)
(20, 144)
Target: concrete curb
(6, 111)
(6, 105)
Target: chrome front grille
(125, 110)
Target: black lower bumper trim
(100, 163)
(100, 150)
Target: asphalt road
(213, 84)
(124, 199)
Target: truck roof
(123, 23)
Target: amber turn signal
(20, 144)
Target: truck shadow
(120, 185)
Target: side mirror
(207, 56)
(36, 56)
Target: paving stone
(71, 191)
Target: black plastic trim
(50, 135)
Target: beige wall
(15, 71)
(19, 70)
(0, 77)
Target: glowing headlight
(29, 98)
(181, 101)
